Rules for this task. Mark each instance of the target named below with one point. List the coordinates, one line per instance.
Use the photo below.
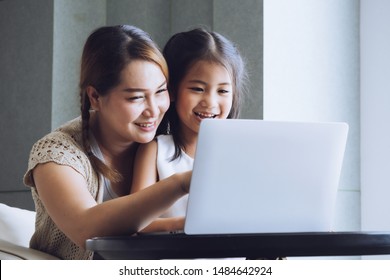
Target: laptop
(257, 176)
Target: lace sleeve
(60, 148)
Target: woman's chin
(146, 138)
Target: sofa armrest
(10, 251)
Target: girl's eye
(223, 91)
(197, 89)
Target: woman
(79, 174)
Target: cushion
(16, 225)
(10, 251)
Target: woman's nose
(152, 109)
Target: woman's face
(133, 110)
(205, 92)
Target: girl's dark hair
(106, 53)
(181, 52)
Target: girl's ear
(93, 96)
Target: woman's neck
(113, 151)
(117, 155)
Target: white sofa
(16, 228)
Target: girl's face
(205, 92)
(133, 110)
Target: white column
(375, 114)
(311, 73)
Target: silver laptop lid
(254, 176)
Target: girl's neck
(190, 139)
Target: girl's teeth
(205, 115)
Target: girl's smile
(205, 93)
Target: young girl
(206, 81)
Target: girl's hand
(185, 180)
(165, 225)
(178, 224)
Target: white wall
(375, 114)
(311, 73)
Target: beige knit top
(62, 146)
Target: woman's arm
(64, 193)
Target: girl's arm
(165, 225)
(64, 193)
(145, 174)
(145, 167)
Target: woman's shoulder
(71, 129)
(67, 136)
(62, 146)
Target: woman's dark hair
(181, 52)
(106, 53)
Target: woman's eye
(161, 90)
(136, 98)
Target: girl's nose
(209, 100)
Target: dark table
(251, 246)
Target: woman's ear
(93, 96)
